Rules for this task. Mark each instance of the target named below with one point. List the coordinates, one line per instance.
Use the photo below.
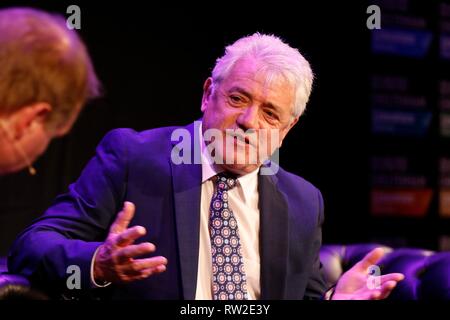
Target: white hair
(278, 58)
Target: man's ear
(293, 122)
(207, 91)
(25, 118)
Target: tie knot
(225, 181)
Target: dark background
(152, 60)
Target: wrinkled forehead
(259, 71)
(263, 80)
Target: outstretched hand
(115, 260)
(356, 285)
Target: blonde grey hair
(278, 59)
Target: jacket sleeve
(316, 287)
(66, 236)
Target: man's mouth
(244, 139)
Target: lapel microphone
(31, 170)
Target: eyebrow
(248, 95)
(240, 90)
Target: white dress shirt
(243, 201)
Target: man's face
(246, 100)
(24, 136)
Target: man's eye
(270, 114)
(236, 99)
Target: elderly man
(218, 228)
(46, 76)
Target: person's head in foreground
(260, 84)
(46, 76)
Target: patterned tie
(229, 281)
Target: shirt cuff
(93, 282)
(329, 294)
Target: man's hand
(115, 261)
(354, 284)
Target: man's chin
(240, 169)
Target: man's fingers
(123, 218)
(132, 251)
(151, 271)
(160, 268)
(376, 295)
(145, 267)
(383, 292)
(371, 258)
(386, 289)
(392, 277)
(128, 236)
(149, 263)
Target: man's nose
(248, 119)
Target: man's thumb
(123, 218)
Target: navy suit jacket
(137, 167)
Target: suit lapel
(187, 180)
(273, 238)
